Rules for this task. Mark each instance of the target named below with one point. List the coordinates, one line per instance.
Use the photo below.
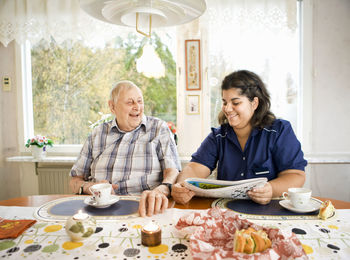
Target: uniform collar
(254, 132)
(231, 135)
(229, 129)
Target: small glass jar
(80, 226)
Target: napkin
(14, 228)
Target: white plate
(90, 201)
(313, 205)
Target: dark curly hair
(251, 86)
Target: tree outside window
(71, 83)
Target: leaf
(88, 233)
(74, 228)
(77, 228)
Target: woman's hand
(261, 195)
(181, 194)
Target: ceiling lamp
(149, 64)
(144, 14)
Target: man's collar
(143, 123)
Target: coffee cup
(101, 193)
(299, 197)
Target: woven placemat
(61, 209)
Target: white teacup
(299, 197)
(101, 193)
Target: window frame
(25, 104)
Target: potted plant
(172, 128)
(38, 144)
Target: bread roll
(251, 241)
(326, 210)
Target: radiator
(53, 180)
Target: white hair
(120, 86)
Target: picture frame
(192, 104)
(193, 64)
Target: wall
(9, 172)
(331, 83)
(328, 136)
(326, 90)
(192, 129)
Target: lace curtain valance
(34, 20)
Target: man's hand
(261, 195)
(181, 194)
(152, 202)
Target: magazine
(223, 189)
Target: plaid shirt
(134, 160)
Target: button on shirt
(268, 151)
(134, 160)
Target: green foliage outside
(72, 82)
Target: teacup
(101, 193)
(299, 197)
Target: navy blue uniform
(268, 151)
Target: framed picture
(193, 64)
(192, 105)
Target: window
(71, 82)
(70, 91)
(261, 36)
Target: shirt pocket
(264, 169)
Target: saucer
(90, 201)
(313, 205)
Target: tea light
(80, 216)
(80, 226)
(151, 235)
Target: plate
(91, 202)
(313, 205)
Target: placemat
(251, 210)
(60, 209)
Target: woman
(249, 143)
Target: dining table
(119, 237)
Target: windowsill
(328, 158)
(62, 159)
(59, 159)
(47, 159)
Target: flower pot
(38, 152)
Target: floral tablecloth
(121, 239)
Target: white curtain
(34, 20)
(257, 35)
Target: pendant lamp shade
(144, 13)
(149, 64)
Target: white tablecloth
(329, 239)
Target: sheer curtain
(257, 35)
(34, 20)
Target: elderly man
(135, 153)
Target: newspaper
(223, 189)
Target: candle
(80, 226)
(151, 234)
(80, 216)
